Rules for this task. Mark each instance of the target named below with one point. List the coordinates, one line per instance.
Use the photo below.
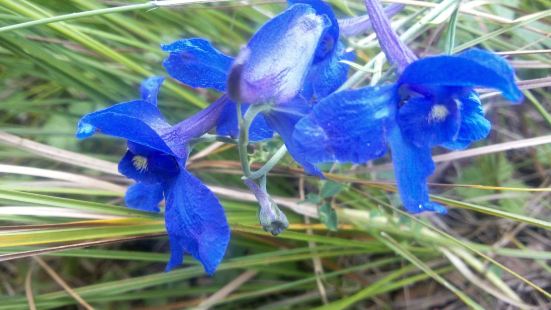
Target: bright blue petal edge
(195, 222)
(144, 197)
(196, 63)
(474, 126)
(412, 167)
(469, 69)
(348, 126)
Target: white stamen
(438, 113)
(139, 162)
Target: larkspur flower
(433, 103)
(291, 61)
(156, 158)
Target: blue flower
(156, 158)
(290, 62)
(433, 103)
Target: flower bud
(272, 219)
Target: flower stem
(244, 123)
(270, 164)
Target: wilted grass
(61, 199)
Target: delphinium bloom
(156, 158)
(289, 62)
(433, 103)
(293, 60)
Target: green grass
(62, 59)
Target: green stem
(243, 142)
(450, 39)
(244, 123)
(270, 164)
(539, 107)
(53, 19)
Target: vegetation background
(67, 241)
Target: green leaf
(330, 189)
(328, 216)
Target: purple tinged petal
(463, 72)
(197, 124)
(149, 89)
(357, 25)
(412, 167)
(330, 38)
(274, 64)
(196, 63)
(145, 197)
(348, 126)
(426, 123)
(474, 126)
(195, 222)
(395, 50)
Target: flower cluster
(286, 81)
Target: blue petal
(426, 123)
(145, 197)
(149, 89)
(176, 253)
(227, 124)
(141, 122)
(412, 167)
(474, 126)
(347, 126)
(196, 63)
(467, 70)
(283, 122)
(328, 42)
(195, 222)
(148, 168)
(137, 121)
(499, 65)
(260, 130)
(328, 75)
(275, 62)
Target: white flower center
(139, 162)
(438, 113)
